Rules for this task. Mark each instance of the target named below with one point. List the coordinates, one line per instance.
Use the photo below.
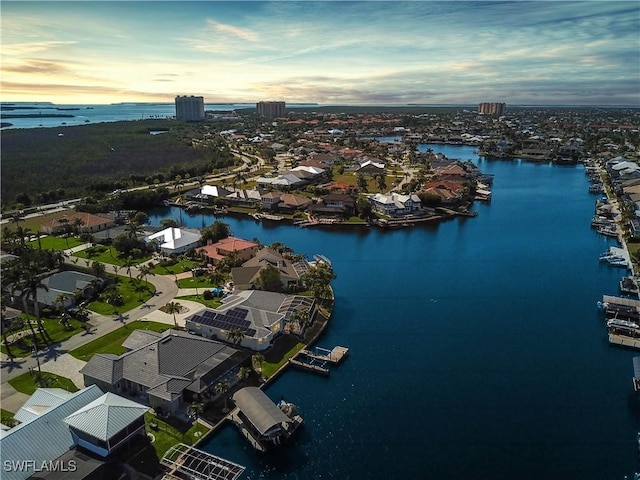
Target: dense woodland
(41, 165)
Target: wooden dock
(335, 355)
(316, 361)
(624, 341)
(312, 367)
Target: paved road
(56, 358)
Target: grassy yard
(165, 436)
(179, 267)
(56, 243)
(213, 303)
(107, 254)
(27, 382)
(269, 369)
(202, 281)
(134, 293)
(6, 417)
(112, 342)
(22, 344)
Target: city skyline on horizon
(328, 53)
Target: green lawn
(213, 303)
(112, 342)
(180, 267)
(26, 383)
(202, 281)
(56, 243)
(269, 369)
(166, 436)
(6, 417)
(23, 344)
(108, 254)
(134, 293)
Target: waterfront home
(174, 240)
(260, 316)
(270, 200)
(447, 192)
(166, 371)
(395, 204)
(290, 270)
(334, 204)
(244, 198)
(243, 249)
(82, 222)
(290, 202)
(208, 193)
(55, 424)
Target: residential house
(370, 167)
(61, 289)
(260, 316)
(174, 241)
(446, 191)
(291, 271)
(242, 249)
(395, 204)
(270, 200)
(290, 202)
(166, 371)
(55, 423)
(286, 181)
(82, 221)
(334, 204)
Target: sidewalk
(55, 360)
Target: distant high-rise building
(271, 109)
(189, 108)
(492, 108)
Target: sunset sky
(328, 52)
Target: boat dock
(636, 374)
(316, 361)
(624, 340)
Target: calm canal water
(477, 350)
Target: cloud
(227, 29)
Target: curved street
(57, 359)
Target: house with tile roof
(166, 373)
(291, 271)
(88, 223)
(243, 249)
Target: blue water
(101, 113)
(477, 350)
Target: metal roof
(259, 409)
(106, 416)
(44, 438)
(41, 401)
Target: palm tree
(195, 409)
(144, 272)
(220, 388)
(235, 336)
(244, 373)
(3, 325)
(64, 223)
(129, 262)
(172, 308)
(98, 269)
(256, 362)
(77, 224)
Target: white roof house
(313, 170)
(214, 191)
(173, 241)
(395, 203)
